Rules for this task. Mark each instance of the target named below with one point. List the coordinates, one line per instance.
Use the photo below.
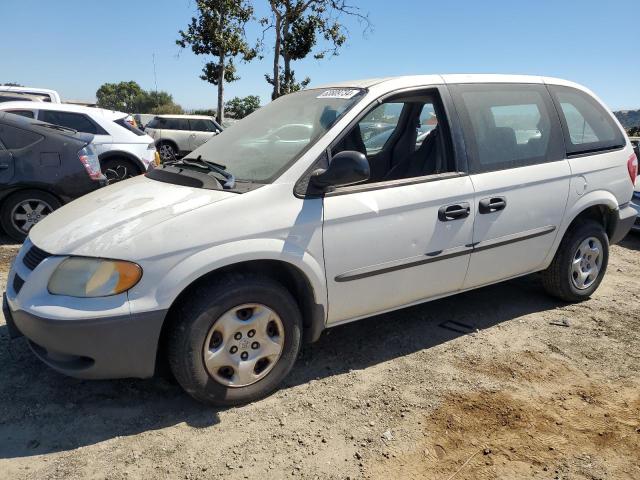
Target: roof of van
(413, 80)
(207, 117)
(63, 107)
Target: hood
(114, 215)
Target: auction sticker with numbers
(345, 93)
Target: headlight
(93, 277)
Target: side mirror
(346, 168)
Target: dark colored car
(42, 167)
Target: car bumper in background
(622, 223)
(635, 204)
(99, 348)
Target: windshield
(261, 146)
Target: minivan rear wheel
(579, 264)
(234, 341)
(22, 210)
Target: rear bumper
(635, 204)
(622, 223)
(100, 348)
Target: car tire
(211, 349)
(22, 210)
(119, 169)
(167, 151)
(579, 264)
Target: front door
(520, 175)
(201, 131)
(404, 236)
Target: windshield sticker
(344, 93)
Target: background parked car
(124, 150)
(29, 93)
(18, 97)
(177, 135)
(143, 119)
(42, 166)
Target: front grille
(34, 257)
(17, 283)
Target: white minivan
(223, 263)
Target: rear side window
(587, 126)
(77, 121)
(508, 126)
(15, 138)
(124, 124)
(173, 123)
(22, 113)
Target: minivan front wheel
(22, 210)
(234, 342)
(579, 264)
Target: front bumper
(622, 223)
(114, 347)
(94, 338)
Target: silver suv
(177, 135)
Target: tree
(241, 107)
(12, 84)
(297, 25)
(130, 97)
(634, 132)
(219, 31)
(119, 96)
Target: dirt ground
(502, 382)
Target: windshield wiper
(212, 166)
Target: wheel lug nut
(255, 345)
(244, 355)
(237, 336)
(251, 333)
(233, 349)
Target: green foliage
(634, 131)
(119, 96)
(628, 118)
(11, 84)
(131, 98)
(241, 107)
(218, 31)
(298, 27)
(209, 112)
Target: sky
(74, 46)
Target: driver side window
(402, 138)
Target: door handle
(494, 204)
(453, 212)
(3, 166)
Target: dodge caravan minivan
(221, 264)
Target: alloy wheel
(117, 173)
(28, 212)
(167, 153)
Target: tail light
(632, 166)
(89, 159)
